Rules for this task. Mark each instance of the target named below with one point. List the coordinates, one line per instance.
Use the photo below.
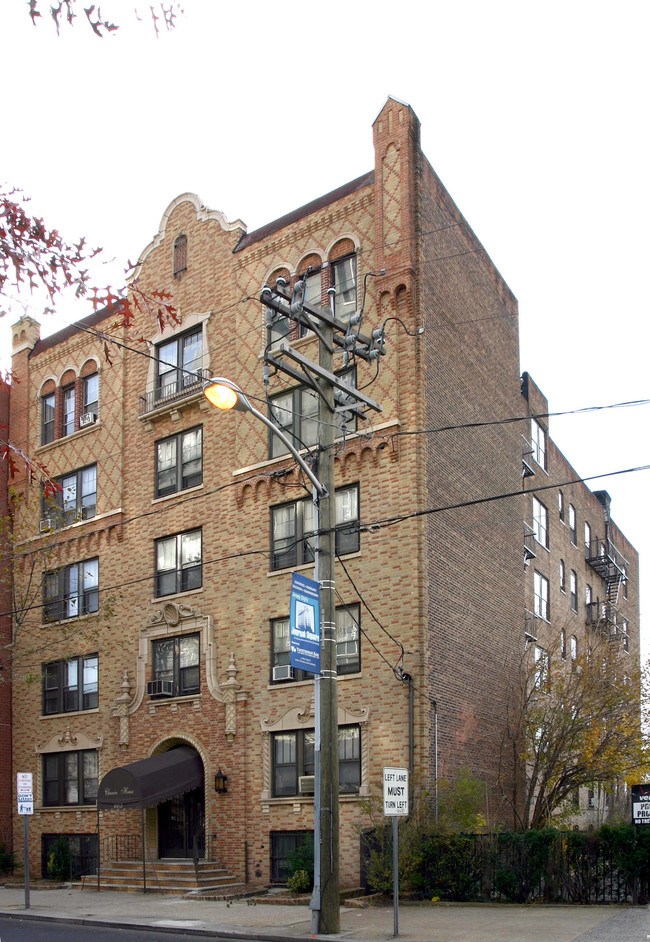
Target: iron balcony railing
(164, 396)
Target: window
(587, 538)
(572, 524)
(180, 254)
(295, 412)
(347, 646)
(540, 522)
(563, 644)
(574, 650)
(284, 845)
(77, 499)
(70, 686)
(70, 778)
(344, 279)
(540, 590)
(538, 441)
(91, 395)
(625, 634)
(179, 364)
(625, 581)
(82, 849)
(560, 504)
(68, 410)
(293, 756)
(178, 563)
(176, 664)
(292, 529)
(562, 576)
(179, 462)
(47, 418)
(588, 595)
(71, 591)
(541, 667)
(573, 590)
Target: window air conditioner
(283, 672)
(88, 418)
(47, 524)
(160, 688)
(306, 784)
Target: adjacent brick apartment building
(158, 578)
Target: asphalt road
(35, 930)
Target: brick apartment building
(158, 579)
(5, 639)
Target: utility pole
(335, 397)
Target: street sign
(396, 791)
(640, 804)
(24, 782)
(304, 624)
(26, 806)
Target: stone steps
(163, 876)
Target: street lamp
(226, 395)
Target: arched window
(180, 254)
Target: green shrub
(59, 862)
(302, 860)
(7, 859)
(299, 882)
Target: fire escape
(611, 566)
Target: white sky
(533, 114)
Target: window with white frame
(91, 395)
(562, 576)
(344, 279)
(70, 778)
(538, 441)
(48, 405)
(573, 590)
(178, 364)
(588, 595)
(176, 666)
(68, 410)
(587, 538)
(179, 462)
(563, 644)
(348, 660)
(625, 634)
(293, 756)
(295, 412)
(572, 524)
(75, 500)
(560, 505)
(71, 591)
(292, 529)
(70, 685)
(540, 522)
(541, 596)
(541, 667)
(178, 561)
(574, 650)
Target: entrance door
(180, 822)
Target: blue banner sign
(304, 624)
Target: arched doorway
(181, 818)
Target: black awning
(149, 782)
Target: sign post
(640, 818)
(396, 803)
(25, 795)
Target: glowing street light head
(223, 397)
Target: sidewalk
(248, 919)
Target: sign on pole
(25, 793)
(304, 624)
(396, 803)
(396, 791)
(640, 804)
